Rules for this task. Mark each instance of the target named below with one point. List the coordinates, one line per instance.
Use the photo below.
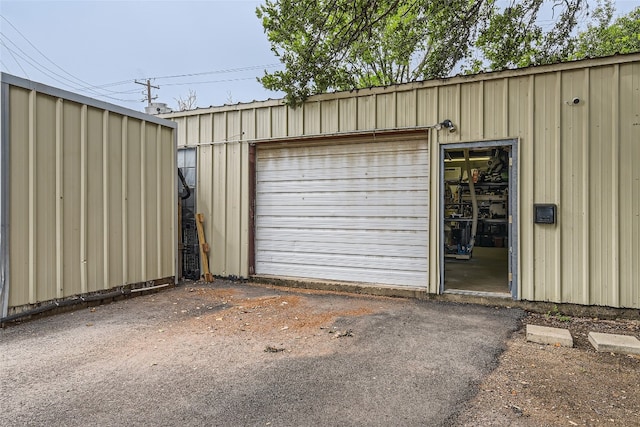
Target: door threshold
(506, 295)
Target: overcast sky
(110, 44)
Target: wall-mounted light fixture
(447, 124)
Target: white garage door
(349, 212)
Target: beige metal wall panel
(366, 112)
(70, 194)
(629, 184)
(192, 127)
(603, 191)
(249, 124)
(181, 130)
(406, 110)
(233, 207)
(92, 206)
(427, 106)
(546, 175)
(42, 202)
(579, 156)
(279, 126)
(205, 129)
(312, 118)
(348, 114)
(493, 105)
(92, 195)
(575, 172)
(295, 121)
(385, 111)
(472, 112)
(330, 117)
(263, 123)
(115, 202)
(133, 196)
(219, 129)
(20, 129)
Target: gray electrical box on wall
(544, 213)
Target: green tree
(604, 38)
(344, 44)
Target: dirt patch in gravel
(542, 385)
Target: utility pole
(149, 86)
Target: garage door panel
(347, 198)
(340, 260)
(387, 277)
(336, 167)
(342, 223)
(273, 237)
(360, 150)
(344, 248)
(339, 211)
(353, 212)
(377, 184)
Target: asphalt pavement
(231, 354)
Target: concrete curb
(550, 336)
(624, 344)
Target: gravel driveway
(231, 354)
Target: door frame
(513, 237)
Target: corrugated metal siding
(92, 194)
(355, 212)
(580, 156)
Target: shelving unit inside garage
(490, 176)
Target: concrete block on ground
(551, 336)
(624, 344)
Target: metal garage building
(88, 196)
(360, 186)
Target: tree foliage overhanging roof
(345, 44)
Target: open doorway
(189, 247)
(477, 219)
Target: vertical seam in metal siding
(32, 197)
(4, 199)
(586, 155)
(558, 189)
(458, 111)
(416, 112)
(481, 112)
(375, 111)
(83, 198)
(105, 197)
(286, 122)
(505, 101)
(159, 246)
(615, 194)
(59, 198)
(320, 117)
(143, 200)
(177, 266)
(395, 109)
(125, 201)
(528, 155)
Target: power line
(232, 70)
(88, 86)
(209, 81)
(50, 73)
